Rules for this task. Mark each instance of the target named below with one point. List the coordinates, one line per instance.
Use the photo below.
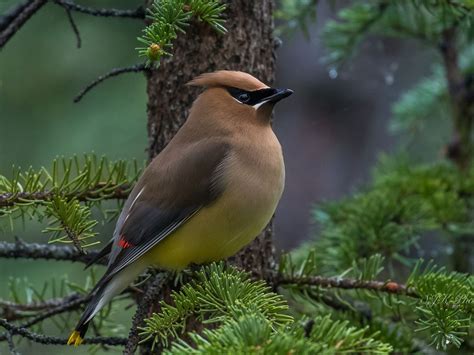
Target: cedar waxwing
(209, 193)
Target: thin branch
(114, 72)
(349, 284)
(74, 27)
(99, 191)
(145, 305)
(19, 19)
(11, 344)
(71, 6)
(73, 237)
(11, 14)
(69, 303)
(20, 249)
(66, 306)
(37, 306)
(43, 339)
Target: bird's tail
(103, 292)
(77, 335)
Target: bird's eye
(244, 97)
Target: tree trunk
(248, 46)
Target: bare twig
(100, 191)
(349, 284)
(145, 305)
(114, 72)
(12, 13)
(43, 339)
(37, 306)
(11, 344)
(20, 249)
(74, 27)
(71, 6)
(68, 305)
(20, 16)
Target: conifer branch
(145, 306)
(20, 249)
(170, 18)
(136, 68)
(17, 18)
(138, 13)
(99, 191)
(48, 340)
(348, 284)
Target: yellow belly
(254, 184)
(214, 233)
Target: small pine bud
(153, 52)
(392, 286)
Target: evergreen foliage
(171, 17)
(56, 193)
(215, 295)
(252, 334)
(420, 19)
(404, 203)
(296, 15)
(442, 300)
(251, 319)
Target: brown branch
(20, 249)
(18, 18)
(114, 72)
(144, 310)
(43, 339)
(138, 13)
(100, 191)
(348, 284)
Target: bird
(206, 195)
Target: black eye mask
(252, 98)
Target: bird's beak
(279, 95)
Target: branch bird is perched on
(209, 193)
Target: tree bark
(248, 46)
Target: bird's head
(238, 93)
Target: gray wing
(166, 196)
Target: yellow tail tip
(75, 338)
